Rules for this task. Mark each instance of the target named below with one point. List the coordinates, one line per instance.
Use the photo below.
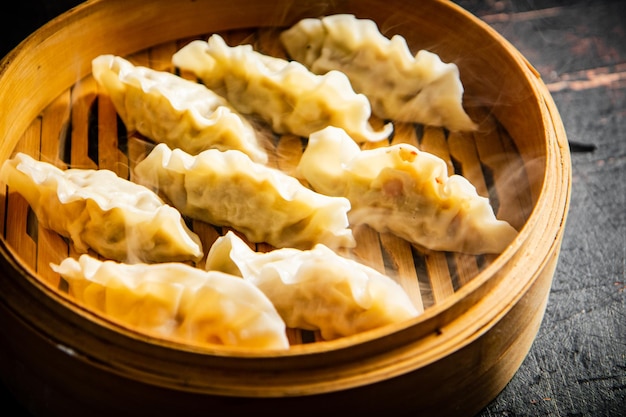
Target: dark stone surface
(577, 364)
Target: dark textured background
(577, 364)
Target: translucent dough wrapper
(289, 97)
(316, 289)
(97, 209)
(405, 191)
(400, 86)
(176, 301)
(167, 108)
(229, 189)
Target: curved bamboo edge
(432, 325)
(426, 392)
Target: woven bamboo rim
(460, 307)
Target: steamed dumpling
(176, 301)
(316, 289)
(289, 97)
(97, 209)
(167, 108)
(403, 87)
(405, 191)
(229, 189)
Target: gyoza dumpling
(176, 301)
(167, 108)
(400, 86)
(405, 191)
(316, 289)
(97, 209)
(285, 94)
(229, 189)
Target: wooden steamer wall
(481, 313)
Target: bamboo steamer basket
(480, 313)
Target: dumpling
(316, 289)
(400, 86)
(229, 189)
(289, 97)
(405, 191)
(177, 302)
(167, 108)
(97, 209)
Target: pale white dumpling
(417, 88)
(97, 209)
(167, 108)
(289, 97)
(176, 301)
(405, 191)
(316, 289)
(229, 189)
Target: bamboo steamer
(481, 313)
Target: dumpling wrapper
(167, 108)
(405, 191)
(97, 209)
(286, 95)
(177, 302)
(316, 289)
(418, 88)
(229, 189)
